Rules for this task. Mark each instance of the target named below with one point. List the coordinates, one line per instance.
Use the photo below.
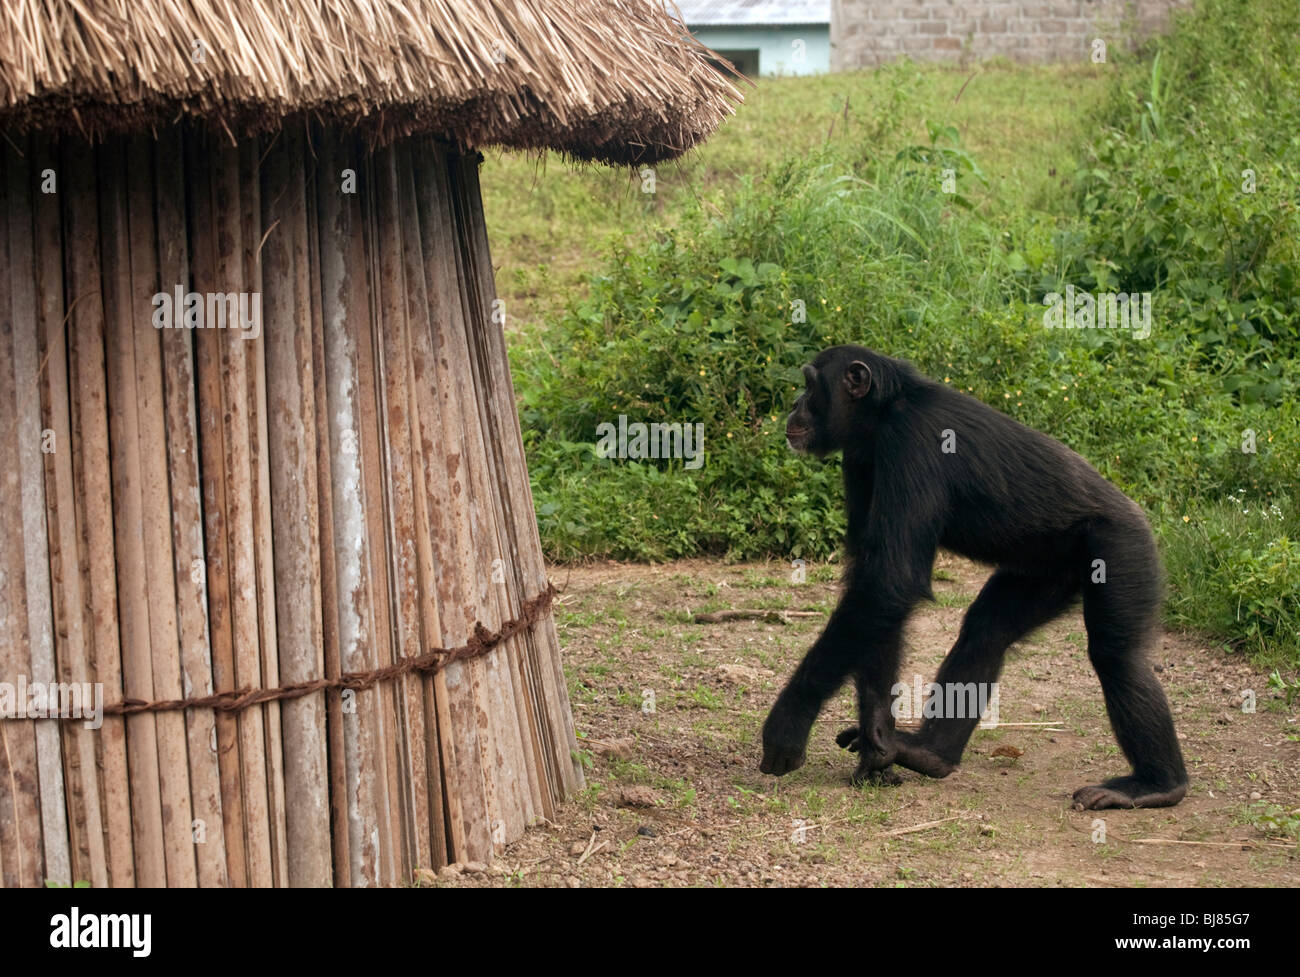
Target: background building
(764, 37)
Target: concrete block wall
(865, 33)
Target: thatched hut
(263, 475)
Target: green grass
(551, 221)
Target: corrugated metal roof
(719, 13)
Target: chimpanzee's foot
(1127, 792)
(907, 752)
(875, 777)
(922, 759)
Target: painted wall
(775, 45)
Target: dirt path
(674, 795)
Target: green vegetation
(1175, 172)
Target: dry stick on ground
(1213, 844)
(927, 825)
(1244, 843)
(592, 848)
(1050, 727)
(772, 616)
(923, 826)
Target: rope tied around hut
(480, 642)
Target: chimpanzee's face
(802, 426)
(825, 416)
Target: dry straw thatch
(613, 80)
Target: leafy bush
(711, 319)
(1191, 187)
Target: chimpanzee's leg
(1009, 606)
(1121, 609)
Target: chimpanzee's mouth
(797, 438)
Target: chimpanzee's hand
(848, 739)
(870, 771)
(785, 740)
(879, 749)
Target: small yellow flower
(1195, 438)
(1187, 518)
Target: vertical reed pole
(180, 418)
(152, 841)
(340, 803)
(212, 468)
(39, 625)
(254, 340)
(71, 632)
(21, 851)
(506, 435)
(157, 572)
(93, 497)
(345, 312)
(291, 434)
(463, 744)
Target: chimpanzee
(926, 466)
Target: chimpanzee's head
(827, 414)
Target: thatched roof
(617, 80)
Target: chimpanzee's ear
(857, 379)
(809, 374)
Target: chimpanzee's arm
(864, 635)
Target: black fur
(1007, 496)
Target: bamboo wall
(189, 510)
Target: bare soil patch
(675, 798)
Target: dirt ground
(669, 713)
